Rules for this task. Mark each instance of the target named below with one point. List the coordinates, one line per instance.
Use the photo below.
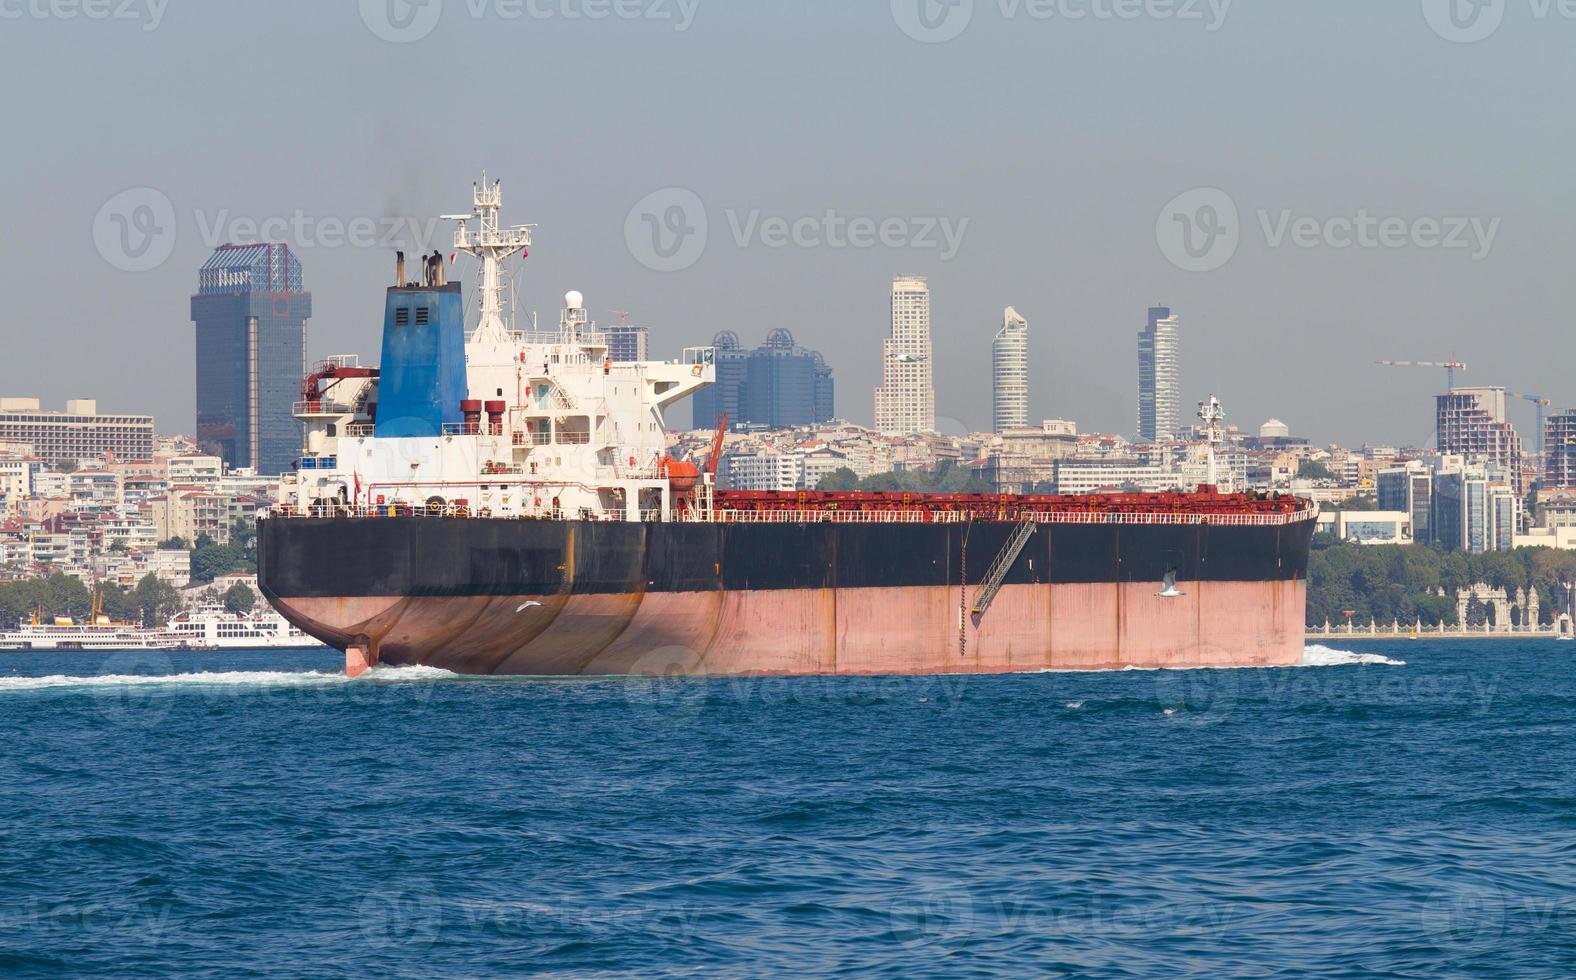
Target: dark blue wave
(273, 819)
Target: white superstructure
(564, 432)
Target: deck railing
(330, 508)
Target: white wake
(235, 678)
(1323, 656)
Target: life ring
(697, 370)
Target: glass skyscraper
(778, 384)
(250, 312)
(1010, 373)
(1159, 377)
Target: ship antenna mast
(1211, 414)
(493, 245)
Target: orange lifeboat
(682, 476)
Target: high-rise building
(1010, 373)
(906, 399)
(79, 432)
(627, 343)
(825, 390)
(725, 397)
(1559, 450)
(1409, 489)
(780, 383)
(1159, 376)
(1472, 423)
(251, 312)
(1475, 507)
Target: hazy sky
(1050, 138)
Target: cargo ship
(503, 501)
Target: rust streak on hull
(1097, 626)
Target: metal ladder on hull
(999, 568)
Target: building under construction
(1559, 449)
(1472, 422)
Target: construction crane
(1543, 405)
(1451, 367)
(623, 316)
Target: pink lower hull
(833, 631)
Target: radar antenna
(493, 245)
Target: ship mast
(1211, 414)
(492, 245)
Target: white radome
(574, 301)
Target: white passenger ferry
(212, 627)
(99, 633)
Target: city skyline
(1278, 325)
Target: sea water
(1403, 808)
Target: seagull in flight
(527, 605)
(1169, 588)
